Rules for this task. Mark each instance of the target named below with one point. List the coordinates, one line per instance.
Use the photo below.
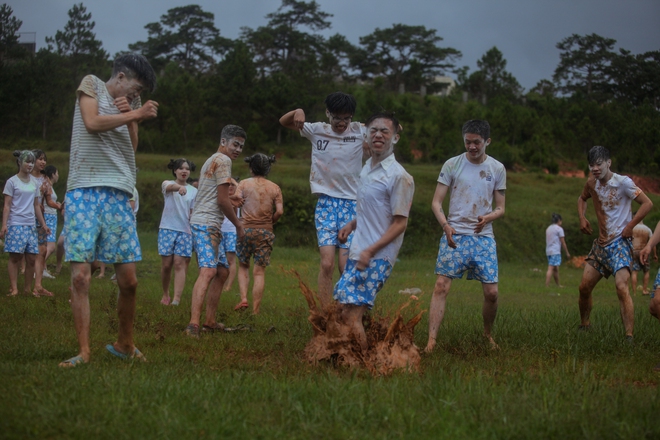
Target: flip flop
(217, 327)
(241, 305)
(73, 362)
(44, 292)
(137, 354)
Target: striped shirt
(101, 159)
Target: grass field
(547, 380)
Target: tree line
(597, 95)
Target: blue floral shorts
(51, 222)
(360, 287)
(258, 243)
(656, 284)
(554, 260)
(330, 216)
(21, 239)
(611, 258)
(174, 243)
(229, 241)
(475, 254)
(42, 237)
(100, 225)
(637, 265)
(207, 242)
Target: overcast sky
(526, 31)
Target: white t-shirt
(53, 197)
(228, 226)
(553, 234)
(472, 187)
(336, 159)
(385, 191)
(176, 213)
(101, 159)
(21, 212)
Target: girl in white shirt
(174, 236)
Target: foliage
(492, 80)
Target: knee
(179, 265)
(127, 283)
(441, 287)
(80, 280)
(327, 266)
(491, 294)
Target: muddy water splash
(391, 341)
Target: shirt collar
(385, 163)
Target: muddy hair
(384, 115)
(556, 218)
(598, 154)
(50, 171)
(260, 163)
(232, 131)
(175, 164)
(136, 66)
(23, 156)
(340, 103)
(477, 126)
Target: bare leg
(243, 280)
(259, 275)
(127, 282)
(437, 309)
(625, 302)
(12, 267)
(213, 297)
(165, 276)
(29, 274)
(325, 274)
(231, 259)
(60, 254)
(80, 278)
(40, 263)
(590, 278)
(50, 249)
(548, 276)
(633, 277)
(489, 310)
(180, 272)
(352, 316)
(99, 265)
(206, 274)
(645, 288)
(343, 258)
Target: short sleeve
(403, 189)
(88, 87)
(9, 188)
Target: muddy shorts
(611, 258)
(229, 241)
(258, 243)
(21, 239)
(174, 243)
(656, 284)
(554, 260)
(330, 216)
(360, 287)
(42, 237)
(637, 265)
(51, 222)
(100, 225)
(475, 254)
(222, 254)
(206, 242)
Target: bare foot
(491, 341)
(99, 276)
(430, 346)
(165, 301)
(42, 292)
(12, 292)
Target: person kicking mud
(384, 198)
(612, 251)
(468, 243)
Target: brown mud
(578, 261)
(391, 341)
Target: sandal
(192, 330)
(241, 305)
(44, 292)
(74, 361)
(217, 327)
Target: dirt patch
(572, 173)
(391, 341)
(647, 184)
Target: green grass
(547, 381)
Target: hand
(183, 191)
(299, 119)
(3, 232)
(240, 232)
(449, 233)
(481, 222)
(568, 255)
(47, 230)
(149, 110)
(585, 226)
(344, 232)
(365, 256)
(644, 255)
(627, 231)
(122, 104)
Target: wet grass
(547, 380)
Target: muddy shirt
(216, 171)
(641, 236)
(472, 187)
(612, 204)
(259, 198)
(101, 159)
(336, 159)
(385, 191)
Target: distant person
(212, 204)
(20, 214)
(261, 206)
(51, 209)
(174, 235)
(99, 221)
(42, 236)
(554, 242)
(468, 243)
(612, 251)
(229, 239)
(641, 236)
(337, 154)
(644, 255)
